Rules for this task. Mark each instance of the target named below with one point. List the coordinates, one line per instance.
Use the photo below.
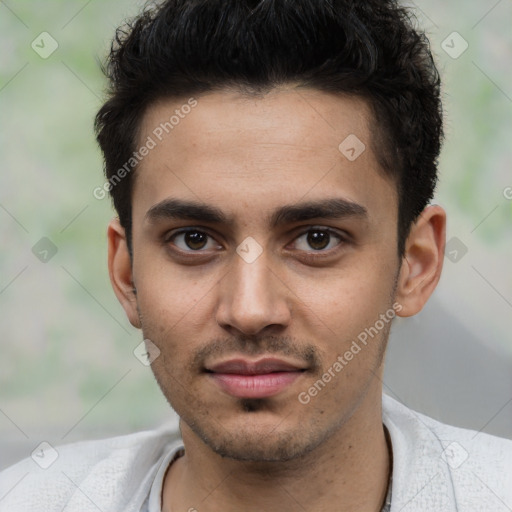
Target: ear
(120, 271)
(423, 260)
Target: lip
(263, 378)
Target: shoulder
(109, 474)
(470, 469)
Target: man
(272, 164)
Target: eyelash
(312, 254)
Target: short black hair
(367, 48)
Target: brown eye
(318, 240)
(192, 240)
(195, 240)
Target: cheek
(347, 301)
(169, 297)
(350, 334)
(174, 319)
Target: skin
(248, 157)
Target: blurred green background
(67, 369)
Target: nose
(252, 298)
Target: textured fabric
(154, 499)
(111, 475)
(436, 467)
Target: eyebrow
(335, 208)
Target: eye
(317, 239)
(192, 240)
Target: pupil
(318, 239)
(195, 239)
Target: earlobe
(120, 271)
(423, 260)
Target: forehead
(231, 150)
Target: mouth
(263, 378)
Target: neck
(349, 472)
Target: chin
(260, 449)
(257, 437)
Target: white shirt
(436, 468)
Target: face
(262, 252)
